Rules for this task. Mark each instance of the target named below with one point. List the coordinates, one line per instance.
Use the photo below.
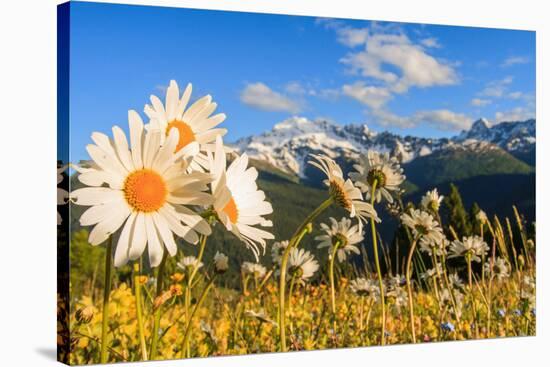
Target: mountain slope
(462, 161)
(289, 143)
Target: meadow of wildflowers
(154, 192)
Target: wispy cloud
(515, 114)
(374, 97)
(430, 42)
(399, 63)
(480, 102)
(260, 96)
(390, 63)
(514, 60)
(497, 88)
(441, 119)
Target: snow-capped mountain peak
(289, 143)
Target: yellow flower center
(186, 134)
(339, 195)
(145, 190)
(231, 210)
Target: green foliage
(459, 164)
(457, 216)
(86, 263)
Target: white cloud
(395, 60)
(391, 63)
(260, 96)
(515, 114)
(480, 102)
(329, 93)
(430, 42)
(515, 95)
(496, 88)
(374, 97)
(441, 119)
(352, 37)
(295, 88)
(514, 60)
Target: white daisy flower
(143, 188)
(189, 263)
(430, 273)
(429, 246)
(456, 281)
(446, 299)
(399, 295)
(302, 264)
(423, 225)
(343, 233)
(221, 262)
(473, 246)
(365, 288)
(379, 167)
(62, 194)
(501, 270)
(277, 250)
(238, 202)
(395, 281)
(431, 201)
(195, 124)
(343, 192)
(255, 269)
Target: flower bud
(221, 263)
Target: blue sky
(261, 69)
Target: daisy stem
(139, 311)
(290, 292)
(187, 305)
(378, 270)
(156, 322)
(184, 351)
(294, 242)
(361, 309)
(449, 288)
(409, 288)
(331, 276)
(106, 295)
(470, 285)
(199, 256)
(332, 290)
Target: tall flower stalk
(331, 276)
(378, 270)
(409, 288)
(294, 242)
(139, 311)
(106, 297)
(378, 176)
(425, 227)
(157, 313)
(341, 238)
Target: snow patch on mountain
(289, 143)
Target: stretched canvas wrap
(236, 183)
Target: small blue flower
(517, 312)
(447, 326)
(501, 312)
(534, 312)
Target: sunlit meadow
(154, 191)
